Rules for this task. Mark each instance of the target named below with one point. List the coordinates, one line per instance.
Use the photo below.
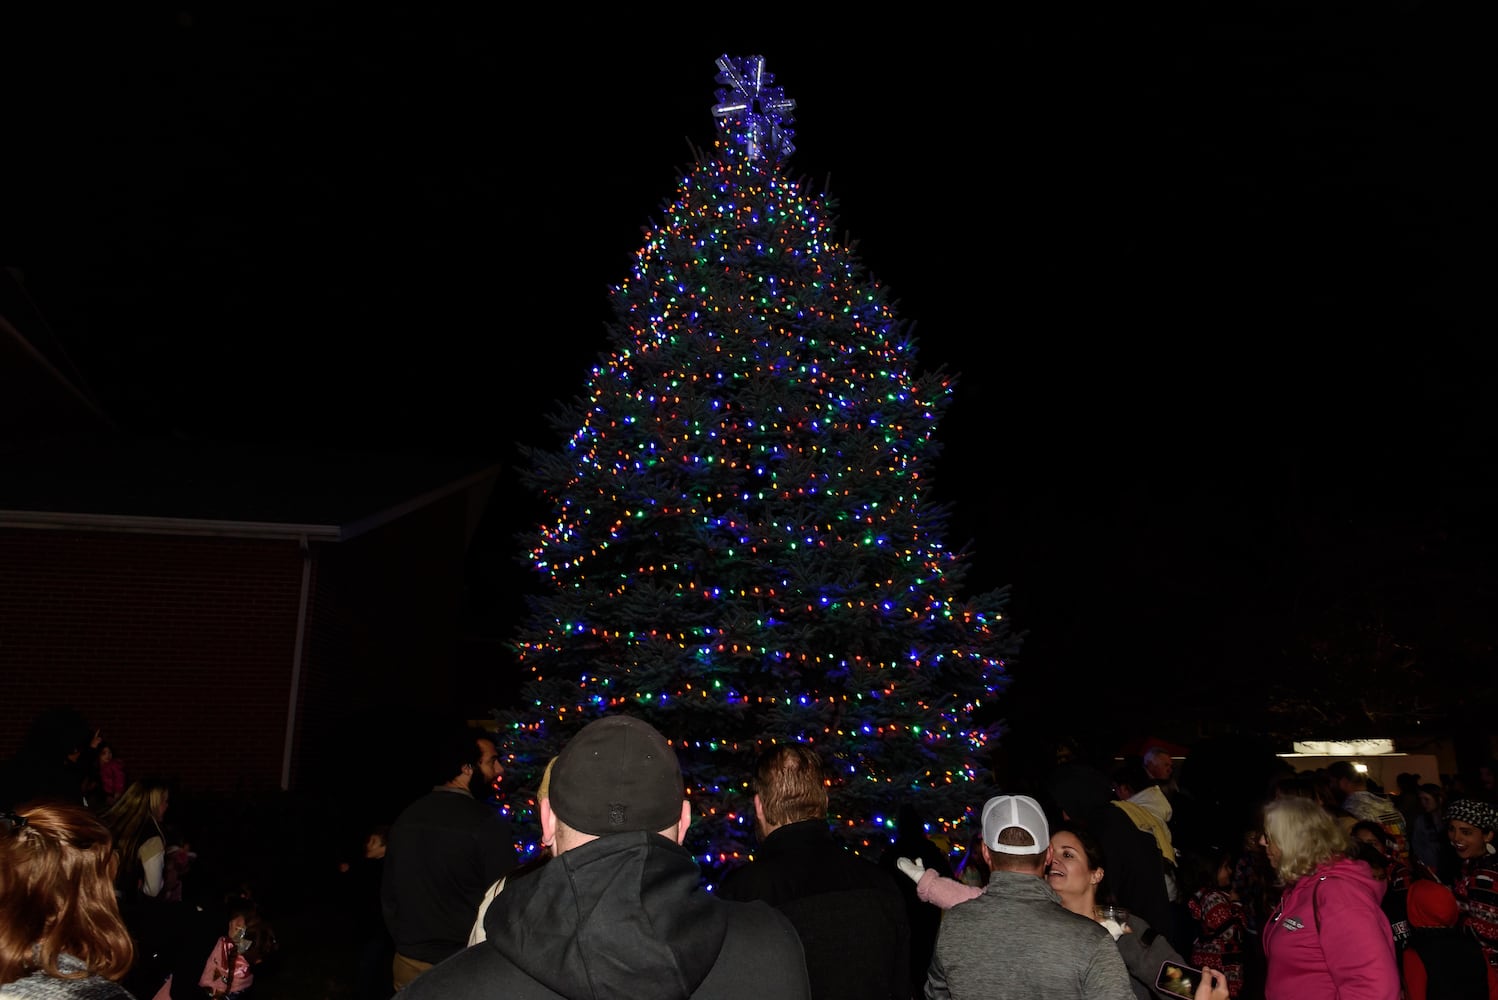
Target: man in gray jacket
(1016, 941)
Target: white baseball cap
(1003, 811)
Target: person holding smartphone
(1078, 874)
(1178, 980)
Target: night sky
(1216, 290)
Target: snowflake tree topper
(753, 112)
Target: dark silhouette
(925, 918)
(50, 765)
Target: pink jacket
(1330, 939)
(945, 892)
(112, 776)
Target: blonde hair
(132, 822)
(57, 895)
(790, 784)
(1305, 834)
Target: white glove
(915, 869)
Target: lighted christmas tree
(742, 546)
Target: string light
(740, 544)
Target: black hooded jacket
(624, 918)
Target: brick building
(230, 617)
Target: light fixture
(1343, 748)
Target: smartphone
(1178, 980)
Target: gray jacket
(1143, 953)
(1017, 942)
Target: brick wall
(179, 648)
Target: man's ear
(548, 824)
(759, 808)
(987, 854)
(684, 822)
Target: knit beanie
(1474, 812)
(1431, 904)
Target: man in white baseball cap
(1016, 941)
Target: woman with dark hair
(61, 936)
(1078, 874)
(1329, 939)
(1471, 825)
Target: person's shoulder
(1057, 919)
(762, 955)
(1486, 862)
(1086, 926)
(40, 986)
(1345, 878)
(1341, 865)
(758, 920)
(475, 973)
(875, 872)
(737, 885)
(415, 807)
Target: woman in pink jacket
(1329, 939)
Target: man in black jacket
(848, 911)
(445, 849)
(619, 912)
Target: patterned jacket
(1476, 891)
(40, 986)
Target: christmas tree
(742, 547)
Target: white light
(1343, 748)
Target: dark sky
(1217, 290)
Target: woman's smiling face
(1068, 873)
(1469, 841)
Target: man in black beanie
(619, 911)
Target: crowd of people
(94, 883)
(1115, 884)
